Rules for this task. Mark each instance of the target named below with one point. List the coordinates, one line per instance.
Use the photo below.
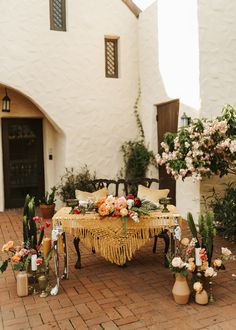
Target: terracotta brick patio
(104, 296)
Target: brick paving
(104, 296)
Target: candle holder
(43, 283)
(34, 282)
(211, 297)
(165, 202)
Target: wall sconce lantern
(6, 103)
(185, 120)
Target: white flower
(217, 262)
(123, 212)
(178, 262)
(130, 203)
(197, 286)
(209, 272)
(226, 252)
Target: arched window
(58, 15)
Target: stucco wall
(217, 30)
(169, 69)
(64, 74)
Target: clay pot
(47, 210)
(181, 291)
(201, 298)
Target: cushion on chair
(152, 195)
(84, 195)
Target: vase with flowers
(201, 296)
(180, 290)
(24, 255)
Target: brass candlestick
(211, 297)
(43, 282)
(165, 202)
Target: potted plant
(47, 204)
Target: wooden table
(114, 239)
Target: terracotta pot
(181, 291)
(47, 211)
(201, 298)
(22, 284)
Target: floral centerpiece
(123, 207)
(203, 148)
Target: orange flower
(15, 259)
(6, 247)
(100, 202)
(103, 210)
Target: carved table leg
(155, 244)
(54, 290)
(65, 273)
(76, 245)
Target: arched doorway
(23, 164)
(32, 154)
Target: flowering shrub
(204, 148)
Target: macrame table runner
(109, 236)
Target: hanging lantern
(185, 120)
(6, 103)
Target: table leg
(54, 290)
(76, 245)
(64, 240)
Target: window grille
(58, 15)
(111, 57)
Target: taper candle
(198, 260)
(47, 242)
(33, 262)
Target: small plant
(49, 198)
(224, 208)
(136, 155)
(73, 180)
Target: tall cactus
(29, 225)
(192, 227)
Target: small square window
(111, 57)
(58, 15)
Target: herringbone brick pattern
(104, 296)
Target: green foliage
(224, 208)
(73, 180)
(3, 265)
(192, 227)
(206, 231)
(137, 158)
(30, 231)
(49, 198)
(136, 155)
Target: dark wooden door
(22, 160)
(167, 121)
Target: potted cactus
(47, 204)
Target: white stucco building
(180, 49)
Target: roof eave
(132, 6)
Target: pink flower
(130, 196)
(37, 247)
(41, 227)
(39, 261)
(36, 219)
